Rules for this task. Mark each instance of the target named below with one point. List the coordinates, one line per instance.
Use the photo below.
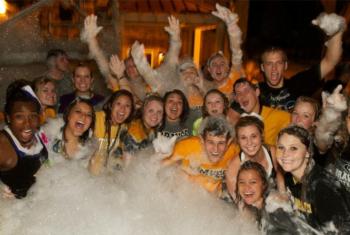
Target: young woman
(22, 149)
(305, 113)
(317, 195)
(71, 137)
(45, 89)
(215, 104)
(82, 83)
(110, 122)
(273, 214)
(142, 130)
(178, 118)
(249, 135)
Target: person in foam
(204, 158)
(23, 149)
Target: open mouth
(80, 125)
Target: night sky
(287, 24)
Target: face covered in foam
(190, 76)
(218, 68)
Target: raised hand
(116, 66)
(336, 100)
(138, 53)
(174, 27)
(163, 145)
(330, 23)
(90, 29)
(225, 14)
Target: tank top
(270, 171)
(20, 178)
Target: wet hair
(216, 126)
(243, 80)
(185, 105)
(52, 55)
(250, 165)
(15, 93)
(313, 102)
(85, 136)
(107, 108)
(41, 81)
(301, 133)
(250, 121)
(273, 50)
(205, 112)
(82, 64)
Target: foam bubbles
(139, 200)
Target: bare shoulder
(8, 157)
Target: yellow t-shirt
(47, 113)
(191, 153)
(274, 121)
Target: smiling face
(247, 97)
(46, 93)
(273, 66)
(215, 146)
(303, 115)
(250, 187)
(153, 114)
(82, 79)
(173, 107)
(79, 119)
(218, 69)
(190, 76)
(121, 109)
(292, 154)
(250, 140)
(131, 69)
(215, 105)
(24, 122)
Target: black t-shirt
(303, 83)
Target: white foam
(140, 200)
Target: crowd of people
(269, 149)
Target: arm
(145, 70)
(279, 174)
(330, 120)
(98, 160)
(172, 56)
(231, 176)
(234, 33)
(334, 26)
(88, 35)
(117, 68)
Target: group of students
(228, 135)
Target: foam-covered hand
(336, 100)
(90, 29)
(163, 145)
(174, 27)
(116, 66)
(225, 14)
(330, 23)
(138, 53)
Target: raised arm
(142, 65)
(330, 120)
(172, 56)
(234, 33)
(88, 35)
(334, 26)
(117, 69)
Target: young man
(58, 70)
(278, 92)
(247, 96)
(82, 83)
(204, 158)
